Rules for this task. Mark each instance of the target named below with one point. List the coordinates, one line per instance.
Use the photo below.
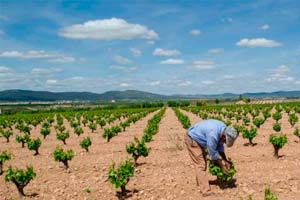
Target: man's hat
(231, 135)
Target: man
(211, 135)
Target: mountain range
(29, 95)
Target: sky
(187, 47)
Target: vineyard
(138, 153)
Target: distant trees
(178, 103)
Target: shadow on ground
(223, 184)
(125, 195)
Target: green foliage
(269, 195)
(63, 136)
(277, 116)
(78, 131)
(278, 108)
(45, 132)
(296, 132)
(22, 139)
(238, 128)
(178, 103)
(228, 123)
(137, 149)
(201, 103)
(258, 122)
(86, 143)
(184, 120)
(277, 127)
(4, 156)
(93, 127)
(293, 119)
(278, 141)
(111, 132)
(238, 117)
(102, 123)
(34, 145)
(246, 121)
(60, 128)
(249, 134)
(153, 126)
(216, 170)
(20, 177)
(108, 134)
(84, 122)
(124, 125)
(60, 156)
(6, 134)
(87, 190)
(75, 124)
(266, 114)
(45, 125)
(23, 128)
(120, 176)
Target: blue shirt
(207, 133)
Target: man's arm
(228, 163)
(223, 155)
(216, 152)
(212, 144)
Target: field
(167, 172)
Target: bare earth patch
(167, 173)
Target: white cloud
(203, 65)
(44, 72)
(150, 42)
(184, 84)
(121, 60)
(281, 69)
(154, 83)
(172, 62)
(229, 76)
(195, 32)
(11, 79)
(33, 54)
(51, 82)
(135, 52)
(265, 27)
(229, 19)
(63, 59)
(216, 51)
(258, 42)
(124, 85)
(280, 74)
(108, 29)
(122, 68)
(5, 70)
(207, 82)
(76, 78)
(166, 52)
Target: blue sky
(187, 47)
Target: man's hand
(225, 167)
(229, 161)
(228, 164)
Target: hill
(29, 95)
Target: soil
(167, 173)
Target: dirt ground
(167, 173)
